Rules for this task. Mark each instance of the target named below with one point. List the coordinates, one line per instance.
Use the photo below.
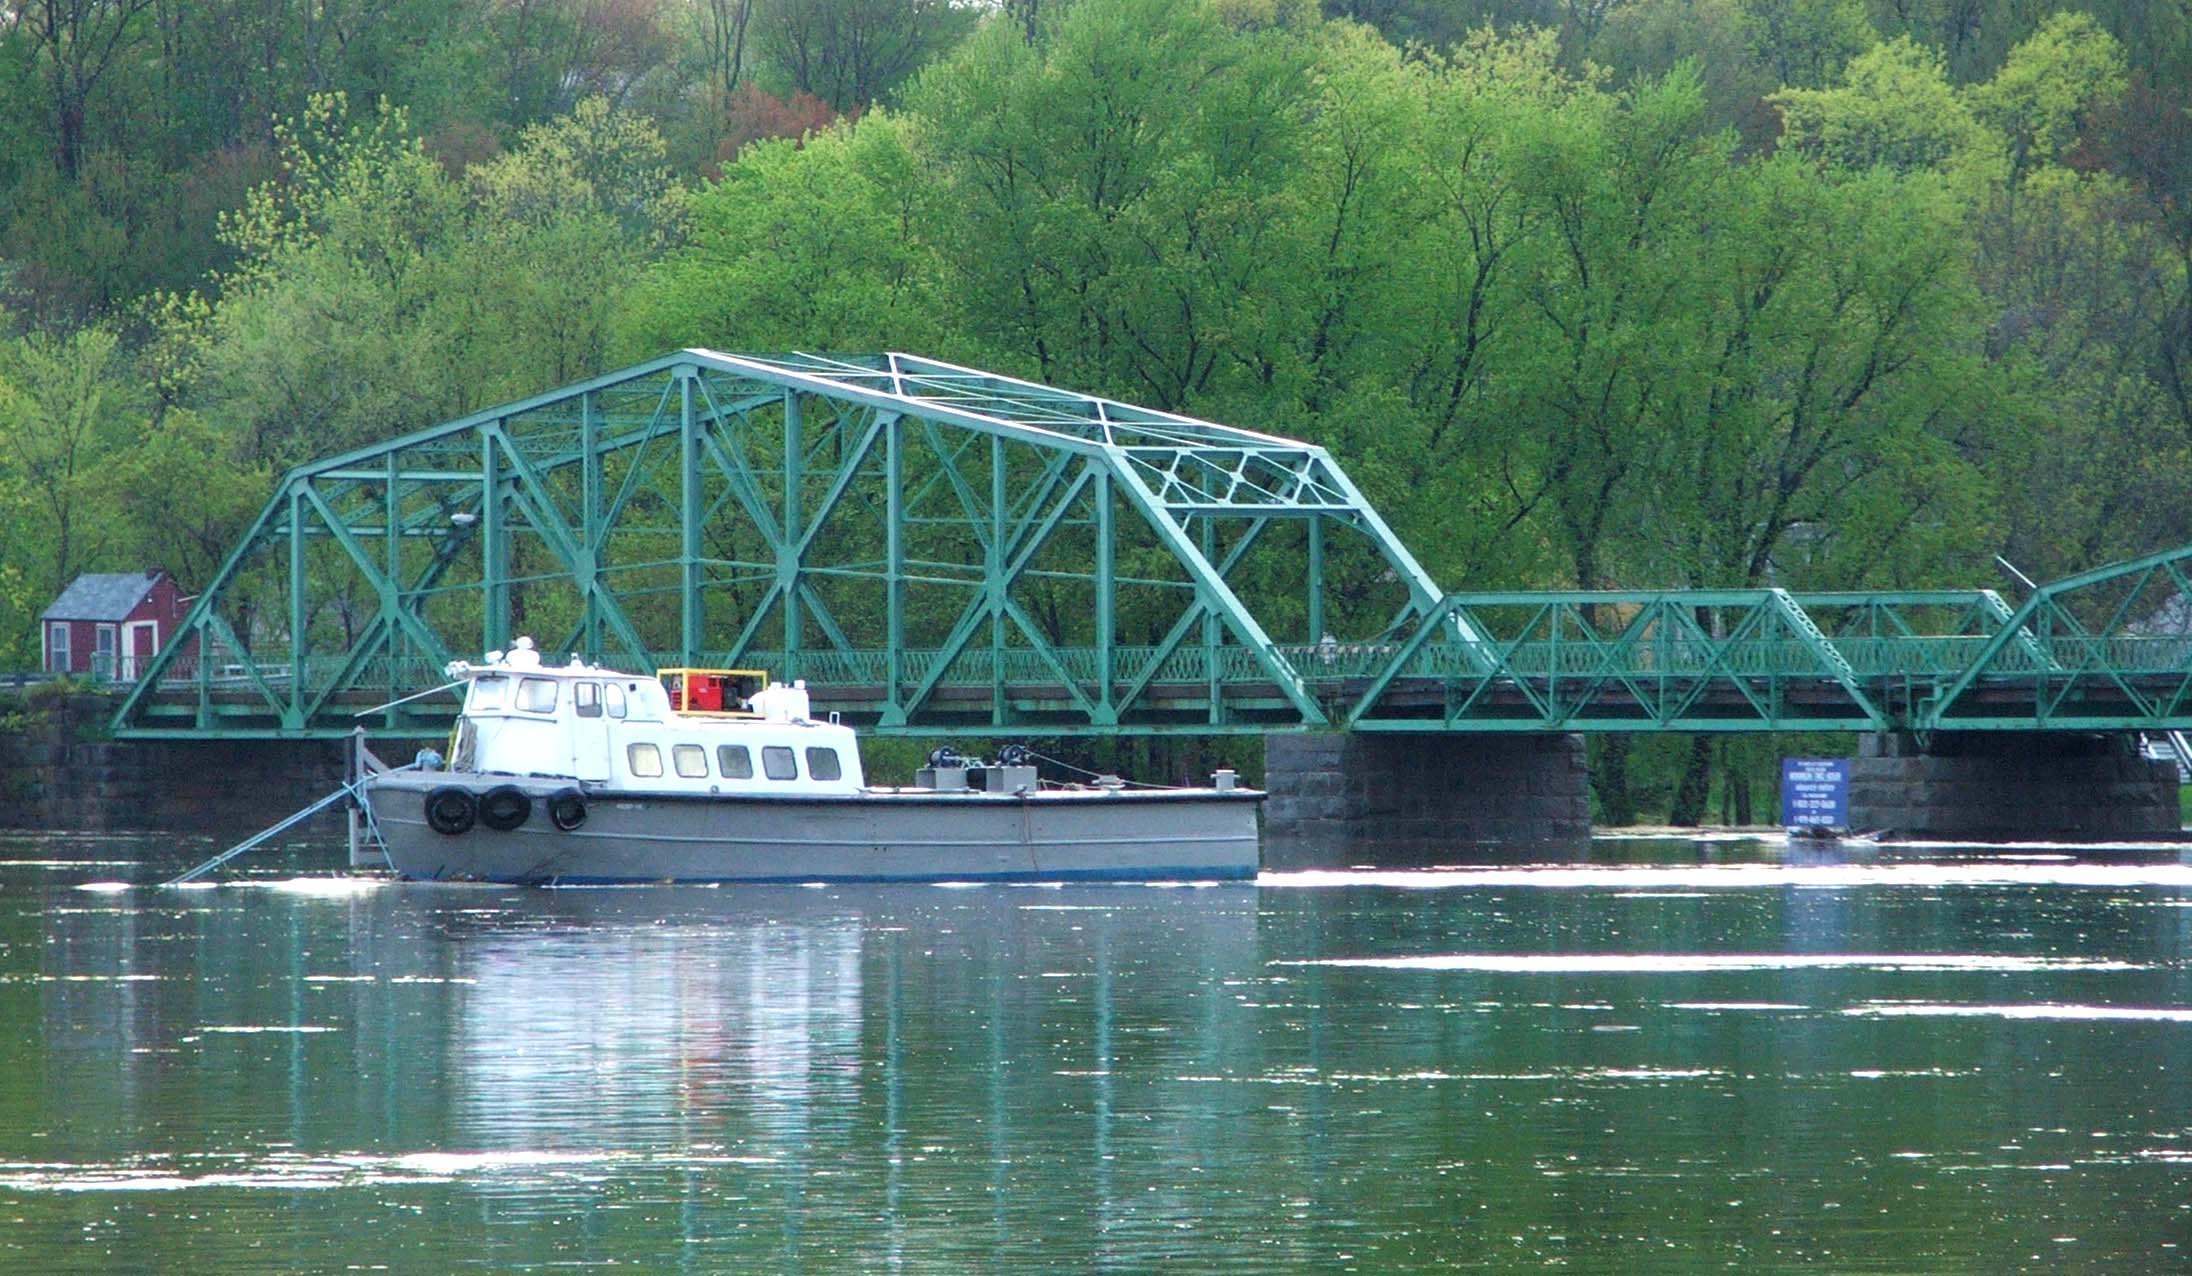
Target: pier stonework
(59, 772)
(2005, 786)
(1341, 799)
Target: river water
(1669, 1056)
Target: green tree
(335, 325)
(182, 453)
(1893, 107)
(68, 412)
(1806, 43)
(821, 246)
(1814, 442)
(1839, 350)
(1649, 38)
(81, 44)
(562, 225)
(2082, 284)
(372, 289)
(2048, 91)
(851, 53)
(1121, 191)
(1617, 322)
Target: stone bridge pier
(1387, 798)
(2012, 786)
(59, 772)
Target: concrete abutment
(60, 773)
(1400, 799)
(1342, 799)
(2012, 786)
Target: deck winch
(950, 771)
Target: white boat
(580, 774)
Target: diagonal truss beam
(585, 506)
(693, 503)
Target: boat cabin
(625, 731)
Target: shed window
(822, 764)
(691, 761)
(735, 761)
(586, 698)
(57, 648)
(537, 695)
(612, 695)
(645, 760)
(778, 763)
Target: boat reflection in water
(780, 1047)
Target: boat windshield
(537, 695)
(487, 693)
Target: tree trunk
(1610, 781)
(1691, 795)
(1610, 768)
(69, 138)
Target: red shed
(109, 624)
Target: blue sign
(1814, 793)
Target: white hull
(871, 835)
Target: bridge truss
(941, 550)
(965, 549)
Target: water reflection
(1661, 1062)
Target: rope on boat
(1094, 775)
(416, 695)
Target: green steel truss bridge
(940, 550)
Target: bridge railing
(1899, 657)
(1871, 657)
(1020, 666)
(1903, 657)
(1758, 658)
(974, 667)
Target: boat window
(691, 761)
(778, 762)
(586, 698)
(822, 764)
(734, 761)
(613, 696)
(487, 692)
(644, 759)
(537, 695)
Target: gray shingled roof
(100, 596)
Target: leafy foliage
(1814, 292)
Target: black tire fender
(505, 807)
(567, 809)
(450, 810)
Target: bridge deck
(2146, 683)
